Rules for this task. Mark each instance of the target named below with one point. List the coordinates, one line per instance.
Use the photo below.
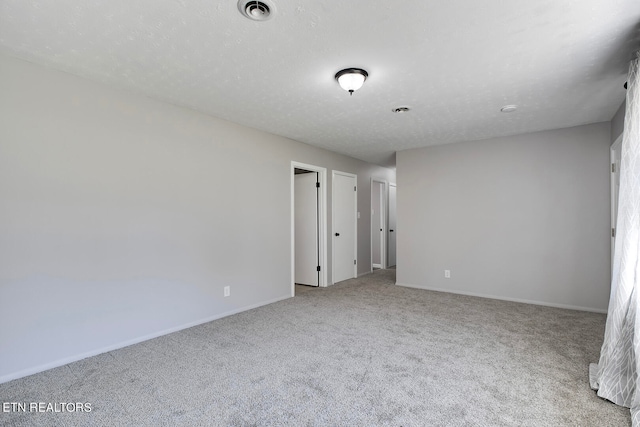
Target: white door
(344, 196)
(306, 229)
(378, 226)
(392, 225)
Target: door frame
(385, 223)
(616, 146)
(322, 222)
(355, 223)
(394, 185)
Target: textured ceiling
(455, 63)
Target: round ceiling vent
(256, 10)
(509, 108)
(401, 109)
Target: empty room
(305, 213)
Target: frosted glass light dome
(351, 79)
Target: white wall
(124, 217)
(617, 122)
(523, 217)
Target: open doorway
(307, 233)
(308, 226)
(378, 224)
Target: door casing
(615, 155)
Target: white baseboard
(366, 273)
(520, 300)
(377, 265)
(75, 358)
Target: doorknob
(337, 234)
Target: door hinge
(613, 168)
(613, 232)
(318, 268)
(354, 188)
(317, 185)
(354, 262)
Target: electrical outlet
(227, 291)
(447, 274)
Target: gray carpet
(360, 353)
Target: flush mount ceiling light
(509, 108)
(256, 10)
(351, 79)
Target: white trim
(501, 298)
(322, 239)
(377, 266)
(366, 273)
(617, 145)
(122, 344)
(355, 225)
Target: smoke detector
(256, 10)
